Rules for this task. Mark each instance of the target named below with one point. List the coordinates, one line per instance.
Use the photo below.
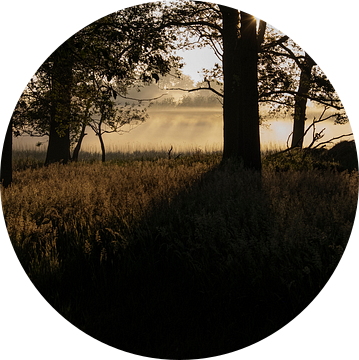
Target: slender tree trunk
(59, 137)
(103, 151)
(300, 105)
(75, 155)
(6, 159)
(103, 158)
(240, 105)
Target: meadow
(185, 257)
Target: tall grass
(179, 258)
(24, 157)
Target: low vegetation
(180, 258)
(341, 157)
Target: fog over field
(190, 120)
(189, 128)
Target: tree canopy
(81, 82)
(125, 49)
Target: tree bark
(6, 159)
(300, 105)
(249, 93)
(240, 104)
(231, 77)
(59, 136)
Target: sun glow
(257, 22)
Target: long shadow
(192, 291)
(197, 279)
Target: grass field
(180, 258)
(25, 156)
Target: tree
(60, 109)
(6, 159)
(300, 105)
(233, 33)
(107, 114)
(75, 155)
(289, 77)
(127, 48)
(249, 143)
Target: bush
(340, 157)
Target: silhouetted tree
(127, 48)
(234, 34)
(240, 102)
(6, 159)
(108, 117)
(300, 105)
(60, 105)
(289, 77)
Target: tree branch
(321, 119)
(290, 56)
(334, 138)
(313, 125)
(291, 92)
(275, 43)
(152, 99)
(200, 88)
(191, 23)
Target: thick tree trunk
(240, 105)
(249, 93)
(231, 82)
(6, 159)
(59, 137)
(59, 144)
(300, 105)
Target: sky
(196, 60)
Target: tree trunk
(75, 155)
(300, 105)
(249, 93)
(231, 82)
(103, 159)
(6, 159)
(101, 141)
(240, 104)
(59, 136)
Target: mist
(192, 128)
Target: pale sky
(196, 60)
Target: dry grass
(179, 258)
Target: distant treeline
(190, 100)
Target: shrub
(340, 157)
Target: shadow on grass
(213, 268)
(204, 273)
(198, 285)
